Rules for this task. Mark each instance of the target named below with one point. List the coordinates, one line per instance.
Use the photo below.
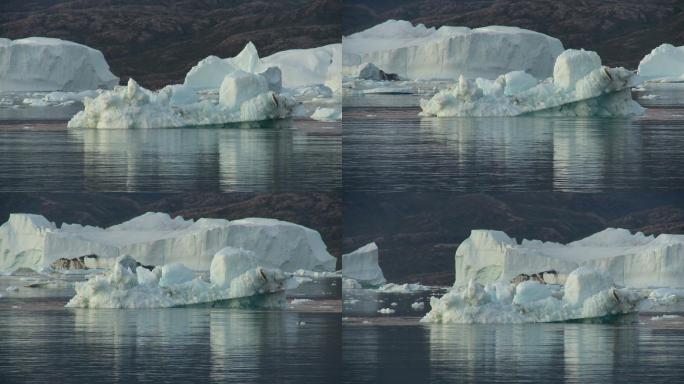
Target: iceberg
(664, 64)
(580, 86)
(421, 53)
(125, 286)
(220, 91)
(362, 266)
(155, 239)
(631, 260)
(47, 64)
(588, 294)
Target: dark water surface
(281, 156)
(388, 147)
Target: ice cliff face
(580, 86)
(46, 64)
(362, 266)
(664, 63)
(420, 53)
(631, 260)
(156, 239)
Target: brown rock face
(158, 41)
(622, 32)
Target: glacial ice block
(157, 239)
(580, 86)
(588, 293)
(664, 63)
(631, 260)
(309, 67)
(362, 266)
(421, 53)
(47, 64)
(122, 287)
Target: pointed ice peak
(248, 59)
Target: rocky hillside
(621, 31)
(157, 41)
(418, 233)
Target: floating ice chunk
(386, 311)
(580, 87)
(120, 288)
(241, 86)
(228, 263)
(584, 298)
(174, 274)
(403, 288)
(632, 260)
(664, 63)
(327, 114)
(300, 301)
(665, 317)
(350, 284)
(47, 64)
(362, 265)
(418, 306)
(12, 288)
(573, 65)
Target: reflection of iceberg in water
(512, 351)
(585, 353)
(257, 156)
(516, 153)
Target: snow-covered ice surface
(664, 63)
(631, 260)
(219, 91)
(362, 266)
(417, 52)
(587, 294)
(125, 287)
(32, 241)
(47, 64)
(580, 86)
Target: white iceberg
(156, 239)
(580, 86)
(327, 114)
(121, 287)
(588, 294)
(665, 63)
(362, 266)
(631, 260)
(47, 64)
(421, 53)
(219, 91)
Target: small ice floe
(327, 114)
(351, 301)
(394, 304)
(302, 323)
(12, 288)
(649, 97)
(418, 306)
(300, 301)
(665, 317)
(403, 288)
(386, 311)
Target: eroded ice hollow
(156, 239)
(218, 91)
(601, 277)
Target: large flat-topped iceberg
(47, 64)
(421, 53)
(157, 239)
(665, 63)
(631, 260)
(580, 86)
